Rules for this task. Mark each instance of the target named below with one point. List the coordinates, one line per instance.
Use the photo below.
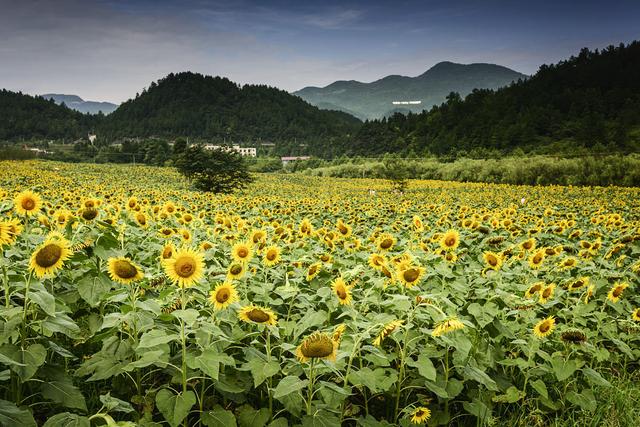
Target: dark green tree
(216, 171)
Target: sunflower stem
(184, 347)
(270, 379)
(310, 387)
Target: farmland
(129, 299)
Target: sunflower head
(256, 314)
(573, 336)
(386, 331)
(123, 270)
(50, 256)
(615, 293)
(409, 274)
(27, 203)
(342, 291)
(317, 346)
(223, 296)
(242, 252)
(449, 325)
(185, 268)
(420, 415)
(271, 256)
(450, 240)
(236, 270)
(544, 327)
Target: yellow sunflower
(386, 331)
(342, 291)
(533, 289)
(167, 252)
(50, 256)
(338, 332)
(615, 293)
(236, 270)
(271, 256)
(450, 240)
(123, 270)
(223, 296)
(449, 325)
(544, 327)
(547, 293)
(386, 242)
(493, 260)
(536, 259)
(318, 345)
(636, 315)
(410, 275)
(185, 268)
(377, 261)
(242, 252)
(255, 314)
(27, 203)
(420, 415)
(313, 270)
(578, 283)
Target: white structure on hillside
(92, 138)
(244, 151)
(407, 102)
(288, 159)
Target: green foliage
(534, 170)
(218, 171)
(591, 100)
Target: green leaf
(585, 400)
(155, 338)
(261, 369)
(92, 289)
(425, 367)
(209, 362)
(564, 368)
(484, 314)
(45, 301)
(219, 417)
(67, 419)
(541, 388)
(289, 385)
(512, 395)
(175, 408)
(376, 380)
(11, 415)
(476, 374)
(279, 422)
(595, 378)
(64, 393)
(63, 324)
(322, 419)
(29, 360)
(114, 404)
(249, 417)
(477, 408)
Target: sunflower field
(130, 300)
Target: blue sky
(111, 49)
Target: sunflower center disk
(184, 267)
(125, 270)
(322, 347)
(49, 255)
(258, 316)
(28, 204)
(222, 295)
(410, 275)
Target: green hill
(591, 100)
(375, 100)
(193, 105)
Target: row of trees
(590, 100)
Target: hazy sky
(109, 50)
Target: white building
(244, 151)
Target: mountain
(375, 100)
(25, 117)
(76, 103)
(591, 100)
(194, 105)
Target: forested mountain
(375, 100)
(76, 103)
(190, 104)
(24, 117)
(590, 100)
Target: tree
(217, 171)
(396, 171)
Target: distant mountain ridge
(375, 100)
(76, 103)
